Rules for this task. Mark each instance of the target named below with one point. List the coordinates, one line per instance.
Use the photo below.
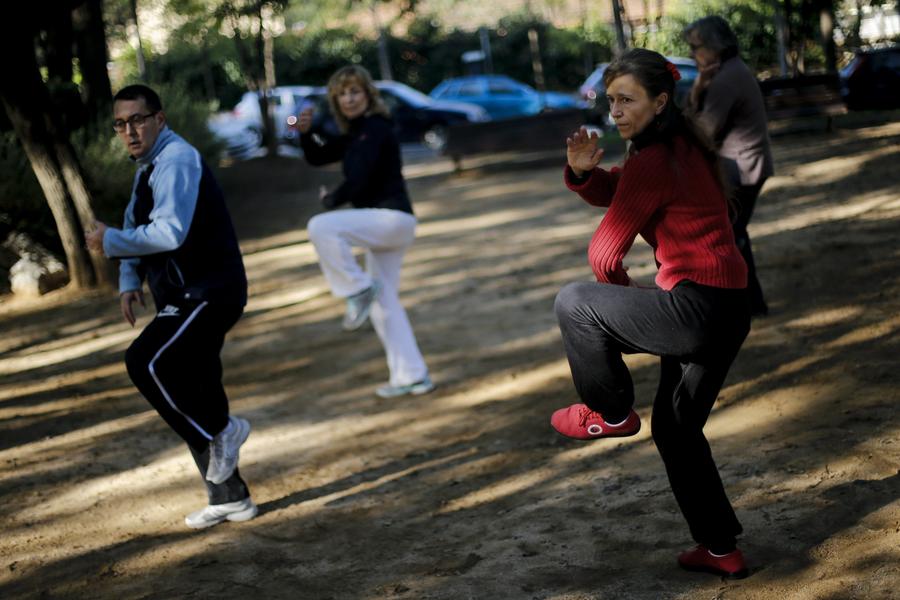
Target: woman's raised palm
(582, 151)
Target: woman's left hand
(582, 151)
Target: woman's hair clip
(673, 70)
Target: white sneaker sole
(238, 516)
(417, 390)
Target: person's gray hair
(715, 34)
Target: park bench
(790, 98)
(543, 131)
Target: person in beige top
(728, 103)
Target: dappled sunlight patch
(249, 370)
(251, 247)
(314, 307)
(816, 215)
(285, 297)
(63, 406)
(72, 349)
(135, 485)
(279, 258)
(835, 168)
(868, 333)
(34, 453)
(508, 386)
(497, 489)
(825, 318)
(485, 220)
(498, 190)
(84, 375)
(782, 405)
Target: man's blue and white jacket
(177, 232)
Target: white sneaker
(225, 448)
(413, 389)
(213, 514)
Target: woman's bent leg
(389, 318)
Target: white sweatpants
(385, 234)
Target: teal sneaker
(359, 306)
(413, 389)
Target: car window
(596, 77)
(471, 88)
(446, 89)
(505, 89)
(404, 95)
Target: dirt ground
(468, 492)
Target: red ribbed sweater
(672, 199)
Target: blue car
(501, 96)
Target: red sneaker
(581, 423)
(730, 565)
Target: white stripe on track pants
(385, 234)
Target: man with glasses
(729, 104)
(178, 236)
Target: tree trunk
(28, 106)
(73, 175)
(31, 134)
(90, 47)
(260, 69)
(384, 59)
(56, 44)
(537, 66)
(139, 47)
(826, 30)
(795, 58)
(621, 45)
(781, 38)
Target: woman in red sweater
(670, 193)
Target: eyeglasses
(134, 120)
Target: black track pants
(697, 331)
(745, 200)
(175, 364)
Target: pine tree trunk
(104, 270)
(52, 183)
(90, 47)
(27, 104)
(826, 31)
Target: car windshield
(414, 97)
(596, 77)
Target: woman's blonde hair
(347, 76)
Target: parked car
(501, 96)
(417, 117)
(593, 92)
(284, 99)
(242, 139)
(872, 79)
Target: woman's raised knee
(570, 297)
(319, 227)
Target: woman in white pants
(381, 221)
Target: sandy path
(467, 492)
